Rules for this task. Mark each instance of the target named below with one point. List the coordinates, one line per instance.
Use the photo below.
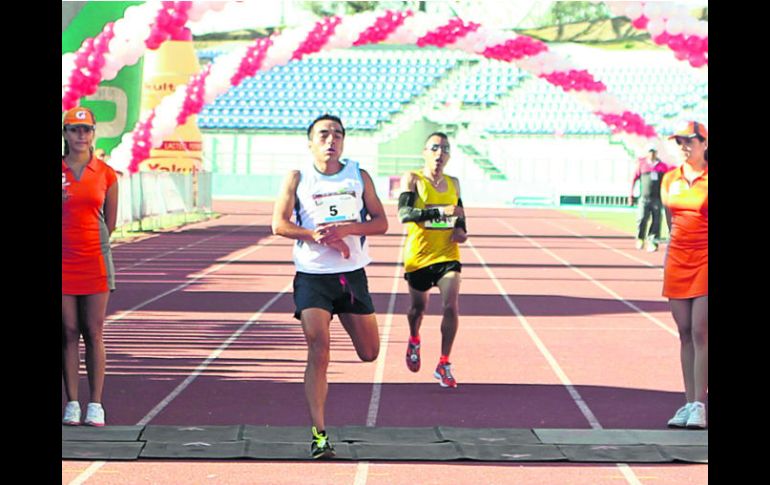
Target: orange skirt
(686, 273)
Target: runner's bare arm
(460, 232)
(283, 209)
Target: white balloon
(667, 10)
(633, 10)
(67, 66)
(703, 29)
(651, 10)
(122, 29)
(690, 26)
(656, 27)
(133, 13)
(617, 8)
(674, 26)
(217, 6)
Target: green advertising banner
(116, 104)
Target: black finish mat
(385, 443)
(191, 450)
(101, 450)
(525, 452)
(107, 433)
(446, 451)
(613, 453)
(688, 454)
(187, 434)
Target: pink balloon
(694, 44)
(95, 62)
(641, 22)
(676, 42)
(661, 39)
(697, 60)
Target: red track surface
(554, 309)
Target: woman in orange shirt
(684, 192)
(89, 214)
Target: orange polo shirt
(86, 261)
(686, 266)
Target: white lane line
(95, 466)
(625, 470)
(211, 358)
(122, 314)
(362, 469)
(588, 277)
(187, 246)
(587, 413)
(604, 245)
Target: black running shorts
(336, 293)
(425, 278)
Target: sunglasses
(435, 148)
(78, 128)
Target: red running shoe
(413, 356)
(444, 374)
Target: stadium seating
(363, 91)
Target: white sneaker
(651, 246)
(697, 419)
(639, 243)
(680, 418)
(94, 414)
(71, 414)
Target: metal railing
(146, 196)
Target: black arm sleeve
(460, 222)
(407, 212)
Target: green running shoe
(321, 447)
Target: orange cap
(79, 116)
(692, 130)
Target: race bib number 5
(336, 207)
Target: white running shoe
(94, 414)
(71, 414)
(639, 243)
(697, 419)
(680, 418)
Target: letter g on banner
(112, 128)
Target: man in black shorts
(329, 208)
(431, 206)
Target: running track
(562, 326)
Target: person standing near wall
(649, 172)
(89, 214)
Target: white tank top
(332, 198)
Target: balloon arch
(148, 25)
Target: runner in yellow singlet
(430, 205)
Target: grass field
(622, 219)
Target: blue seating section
(485, 86)
(369, 90)
(363, 92)
(663, 97)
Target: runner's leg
(315, 325)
